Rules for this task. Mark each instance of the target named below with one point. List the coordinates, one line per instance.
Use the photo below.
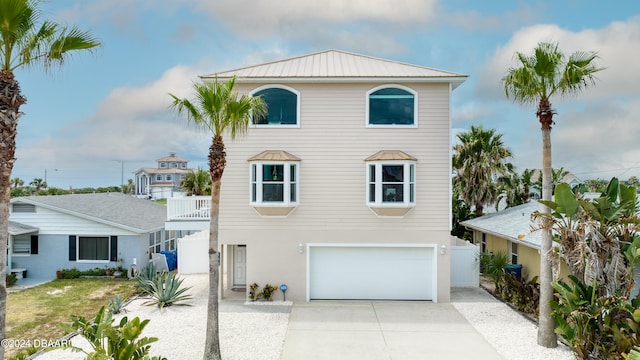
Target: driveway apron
(381, 330)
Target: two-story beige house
(343, 190)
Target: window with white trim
(155, 242)
(283, 106)
(169, 177)
(21, 245)
(274, 183)
(392, 105)
(93, 248)
(391, 183)
(514, 252)
(158, 177)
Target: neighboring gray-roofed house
(510, 231)
(84, 231)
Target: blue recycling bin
(514, 269)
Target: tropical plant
(38, 184)
(477, 160)
(217, 108)
(267, 291)
(521, 294)
(165, 290)
(596, 327)
(493, 264)
(196, 182)
(460, 212)
(599, 239)
(17, 182)
(121, 341)
(537, 78)
(24, 41)
(512, 190)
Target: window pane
(253, 172)
(272, 192)
(392, 193)
(273, 172)
(93, 248)
(281, 107)
(372, 173)
(254, 188)
(391, 106)
(292, 194)
(412, 193)
(392, 173)
(21, 245)
(372, 192)
(292, 170)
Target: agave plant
(165, 290)
(116, 304)
(147, 274)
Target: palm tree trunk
(10, 102)
(546, 328)
(217, 162)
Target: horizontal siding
(56, 223)
(333, 142)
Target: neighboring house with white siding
(163, 181)
(343, 190)
(84, 231)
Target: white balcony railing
(191, 208)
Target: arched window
(282, 107)
(391, 106)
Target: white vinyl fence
(465, 265)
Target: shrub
(11, 279)
(252, 292)
(523, 295)
(493, 266)
(267, 291)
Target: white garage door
(376, 273)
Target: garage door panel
(384, 273)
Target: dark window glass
(391, 106)
(281, 107)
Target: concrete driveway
(385, 330)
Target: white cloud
(618, 46)
(132, 124)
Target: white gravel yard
(255, 332)
(511, 334)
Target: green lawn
(39, 312)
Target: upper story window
(283, 106)
(163, 165)
(158, 177)
(169, 177)
(183, 165)
(274, 182)
(391, 182)
(173, 165)
(392, 106)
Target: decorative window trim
(374, 182)
(290, 185)
(284, 87)
(158, 177)
(397, 86)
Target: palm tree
(196, 183)
(538, 77)
(17, 182)
(38, 184)
(217, 108)
(24, 40)
(478, 159)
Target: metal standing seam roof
(115, 209)
(336, 64)
(390, 155)
(513, 223)
(274, 155)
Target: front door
(239, 265)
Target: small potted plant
(59, 274)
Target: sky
(101, 116)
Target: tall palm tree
(538, 77)
(24, 40)
(477, 160)
(197, 182)
(38, 184)
(217, 108)
(17, 182)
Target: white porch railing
(192, 208)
